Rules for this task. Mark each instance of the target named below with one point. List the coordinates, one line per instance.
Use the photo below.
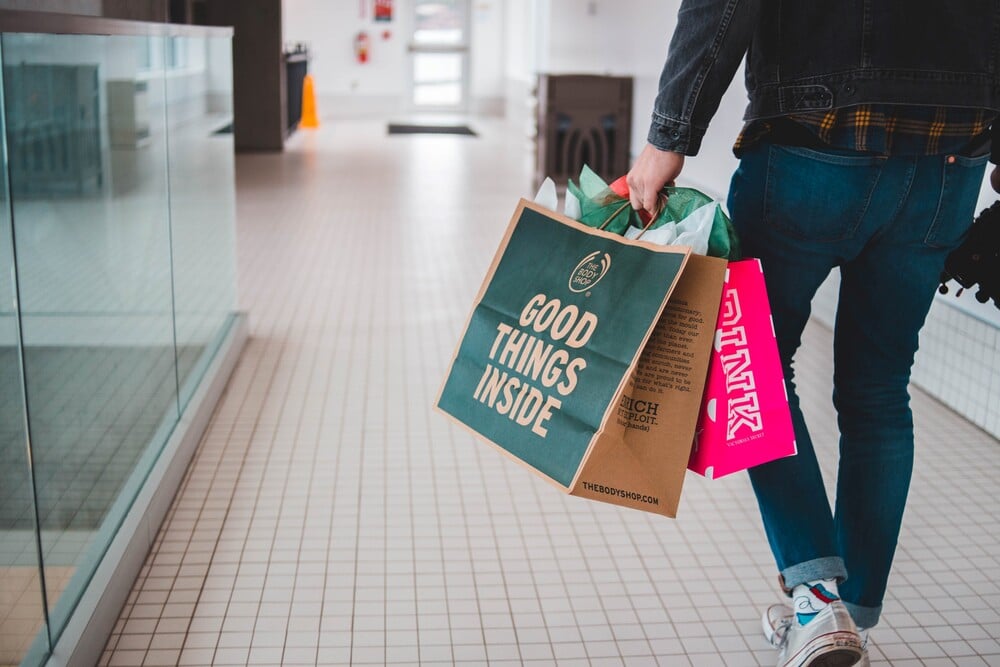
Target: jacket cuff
(675, 136)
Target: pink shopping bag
(744, 418)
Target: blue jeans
(888, 223)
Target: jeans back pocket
(818, 195)
(962, 178)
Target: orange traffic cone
(310, 119)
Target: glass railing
(117, 281)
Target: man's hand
(994, 179)
(652, 170)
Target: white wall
(525, 40)
(591, 36)
(486, 84)
(329, 29)
(346, 87)
(522, 39)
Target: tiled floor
(331, 517)
(94, 411)
(21, 605)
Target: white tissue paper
(665, 235)
(547, 195)
(693, 231)
(572, 207)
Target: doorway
(439, 56)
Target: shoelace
(781, 632)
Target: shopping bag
(658, 410)
(745, 419)
(566, 362)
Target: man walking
(867, 136)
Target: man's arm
(708, 45)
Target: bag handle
(614, 214)
(661, 203)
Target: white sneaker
(830, 639)
(864, 662)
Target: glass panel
(439, 22)
(202, 206)
(87, 144)
(437, 79)
(21, 610)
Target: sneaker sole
(835, 649)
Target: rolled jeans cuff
(828, 567)
(864, 617)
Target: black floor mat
(431, 129)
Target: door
(439, 55)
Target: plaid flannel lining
(886, 130)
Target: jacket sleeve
(708, 44)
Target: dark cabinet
(296, 68)
(583, 119)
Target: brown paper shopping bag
(585, 356)
(642, 461)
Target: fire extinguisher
(361, 45)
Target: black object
(54, 130)
(977, 260)
(583, 120)
(296, 68)
(177, 11)
(431, 129)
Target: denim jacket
(807, 55)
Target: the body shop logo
(589, 271)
